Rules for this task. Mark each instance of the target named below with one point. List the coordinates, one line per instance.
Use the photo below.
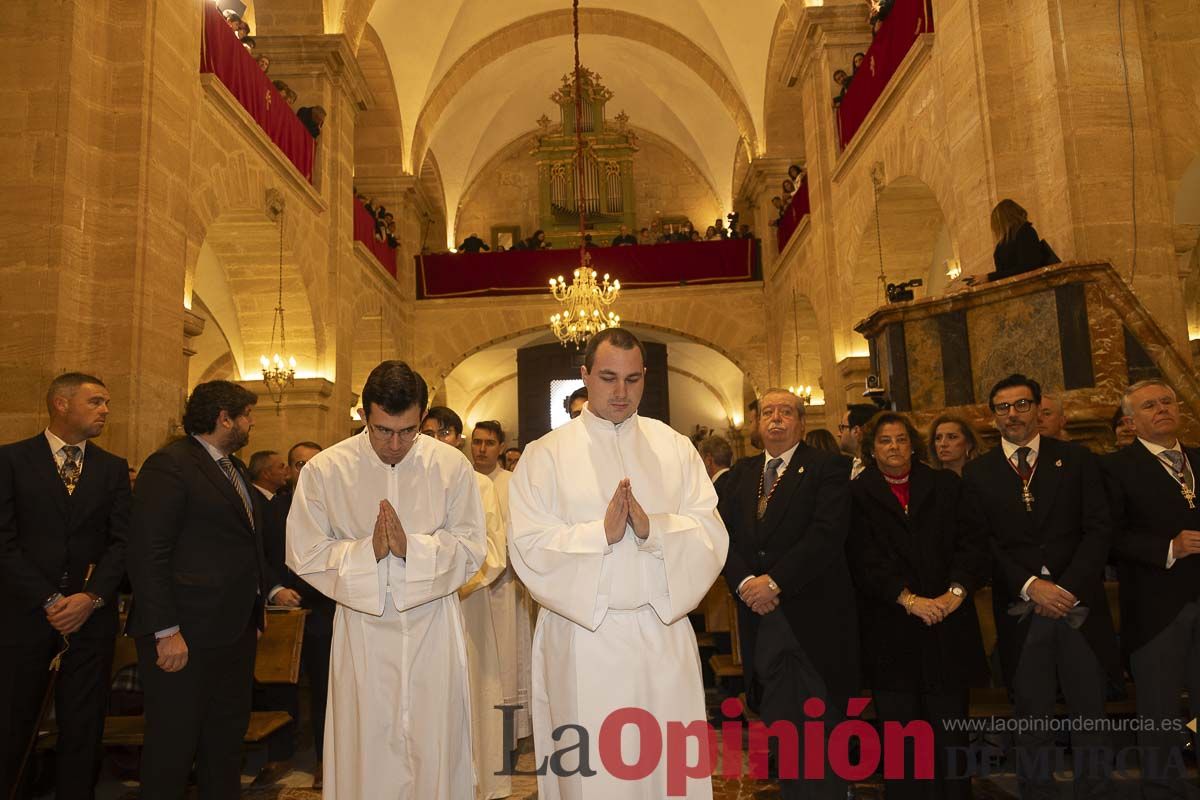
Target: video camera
(900, 292)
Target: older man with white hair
(1152, 484)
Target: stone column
(321, 68)
(96, 190)
(305, 413)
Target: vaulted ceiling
(471, 76)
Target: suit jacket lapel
(878, 488)
(1044, 484)
(1153, 465)
(792, 477)
(217, 476)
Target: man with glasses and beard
(1044, 505)
(199, 583)
(389, 524)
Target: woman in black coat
(917, 552)
(1018, 247)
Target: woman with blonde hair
(1018, 247)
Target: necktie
(1023, 469)
(768, 485)
(71, 467)
(231, 473)
(1179, 464)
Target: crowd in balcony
(385, 221)
(656, 232)
(313, 117)
(783, 200)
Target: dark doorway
(537, 366)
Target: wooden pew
(726, 665)
(276, 660)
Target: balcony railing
(907, 20)
(222, 54)
(636, 266)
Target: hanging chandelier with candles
(585, 301)
(278, 374)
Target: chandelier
(803, 392)
(277, 374)
(585, 302)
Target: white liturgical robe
(511, 610)
(613, 630)
(483, 654)
(398, 718)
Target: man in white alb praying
(615, 532)
(483, 649)
(389, 524)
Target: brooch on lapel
(800, 471)
(1058, 463)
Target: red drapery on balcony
(908, 20)
(222, 54)
(364, 231)
(637, 266)
(796, 210)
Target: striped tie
(231, 473)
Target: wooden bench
(724, 609)
(276, 660)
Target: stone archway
(232, 211)
(706, 387)
(729, 319)
(907, 238)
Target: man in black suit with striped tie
(199, 583)
(64, 512)
(1152, 484)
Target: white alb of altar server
(613, 630)
(398, 715)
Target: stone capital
(328, 57)
(837, 23)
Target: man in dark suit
(1047, 518)
(199, 581)
(717, 456)
(788, 517)
(318, 625)
(64, 514)
(1152, 484)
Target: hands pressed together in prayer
(624, 509)
(69, 613)
(761, 593)
(1050, 599)
(389, 535)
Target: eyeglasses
(844, 427)
(1022, 405)
(406, 436)
(442, 432)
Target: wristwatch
(97, 603)
(957, 590)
